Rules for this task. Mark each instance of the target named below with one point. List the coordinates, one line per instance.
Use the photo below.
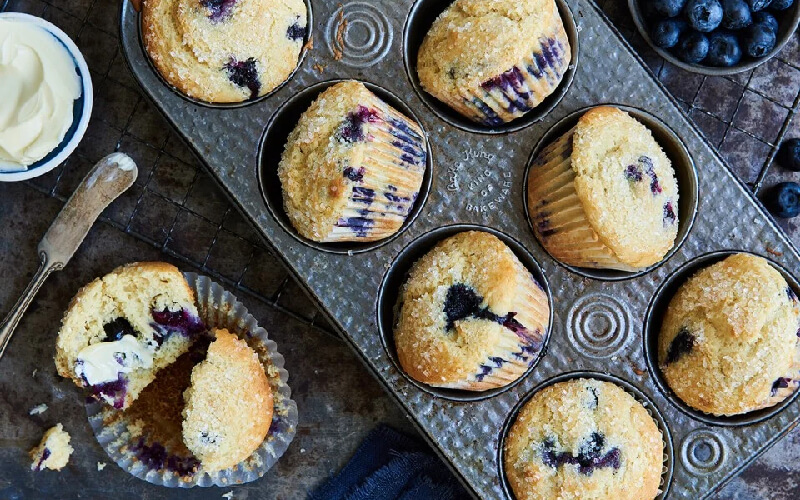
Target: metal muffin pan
(477, 178)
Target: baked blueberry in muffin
(584, 439)
(471, 316)
(728, 343)
(494, 61)
(119, 330)
(352, 168)
(604, 195)
(224, 51)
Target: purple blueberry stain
(790, 293)
(45, 456)
(359, 225)
(296, 31)
(156, 457)
(681, 345)
(218, 10)
(363, 195)
(633, 173)
(543, 226)
(354, 174)
(655, 185)
(780, 383)
(114, 391)
(244, 74)
(352, 129)
(595, 401)
(669, 216)
(590, 455)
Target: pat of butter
(104, 361)
(38, 86)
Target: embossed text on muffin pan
(477, 178)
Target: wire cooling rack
(175, 207)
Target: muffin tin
(477, 179)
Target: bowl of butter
(47, 96)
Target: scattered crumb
(228, 495)
(638, 371)
(338, 43)
(34, 372)
(101, 465)
(37, 410)
(774, 252)
(54, 450)
(319, 68)
(309, 44)
(302, 450)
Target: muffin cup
(509, 95)
(120, 436)
(557, 215)
(388, 181)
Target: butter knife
(111, 177)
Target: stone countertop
(174, 212)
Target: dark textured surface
(176, 209)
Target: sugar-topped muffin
(729, 341)
(604, 194)
(53, 452)
(229, 405)
(494, 61)
(119, 330)
(470, 316)
(352, 168)
(224, 51)
(584, 439)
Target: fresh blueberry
(682, 344)
(789, 154)
(784, 200)
(723, 49)
(693, 48)
(736, 14)
(780, 4)
(668, 8)
(756, 5)
(766, 19)
(117, 329)
(666, 33)
(759, 40)
(704, 15)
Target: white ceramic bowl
(82, 109)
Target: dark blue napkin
(392, 466)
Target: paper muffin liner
(511, 94)
(388, 181)
(120, 436)
(557, 215)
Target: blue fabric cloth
(392, 466)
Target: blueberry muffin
(352, 168)
(224, 51)
(120, 329)
(470, 315)
(494, 61)
(604, 194)
(53, 452)
(584, 439)
(729, 341)
(229, 406)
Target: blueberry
(766, 19)
(461, 302)
(296, 32)
(352, 129)
(723, 49)
(668, 8)
(780, 383)
(789, 155)
(780, 4)
(759, 40)
(704, 15)
(244, 74)
(117, 329)
(693, 48)
(669, 216)
(756, 5)
(682, 344)
(666, 33)
(736, 14)
(634, 173)
(218, 10)
(784, 200)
